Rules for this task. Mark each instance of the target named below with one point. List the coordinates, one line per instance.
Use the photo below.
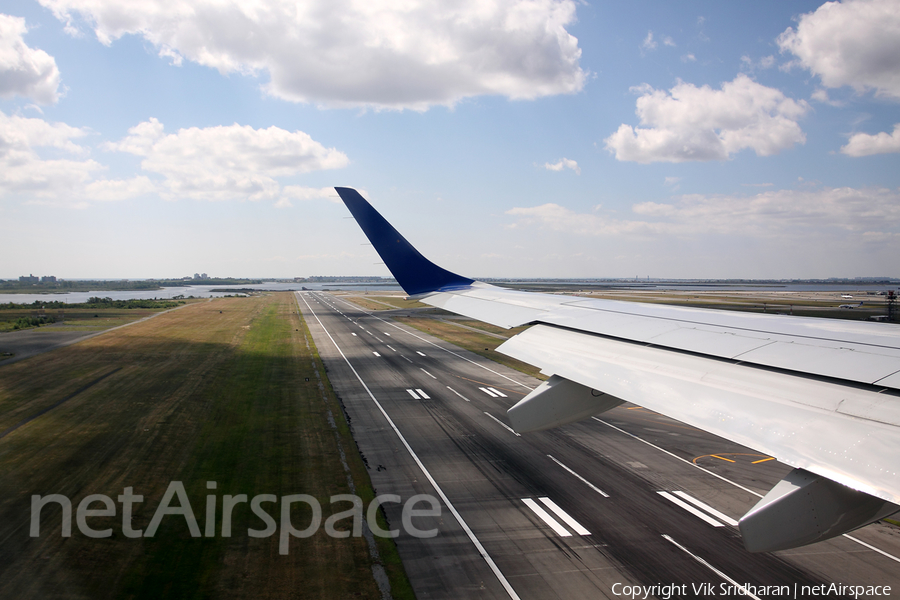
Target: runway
(628, 498)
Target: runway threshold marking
(504, 425)
(414, 394)
(744, 590)
(582, 479)
(488, 392)
(546, 518)
(498, 392)
(423, 394)
(704, 506)
(697, 513)
(566, 517)
(458, 394)
(462, 523)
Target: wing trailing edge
(820, 395)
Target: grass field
(230, 391)
(78, 319)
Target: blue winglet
(415, 273)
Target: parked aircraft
(850, 305)
(820, 395)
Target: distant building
(48, 279)
(29, 279)
(204, 276)
(196, 275)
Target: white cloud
(854, 43)
(648, 43)
(857, 212)
(377, 53)
(563, 163)
(669, 42)
(25, 71)
(688, 123)
(863, 144)
(65, 181)
(688, 58)
(227, 162)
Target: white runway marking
(546, 518)
(376, 354)
(744, 591)
(427, 373)
(700, 515)
(462, 523)
(458, 394)
(406, 359)
(498, 392)
(703, 506)
(503, 425)
(413, 394)
(566, 517)
(583, 480)
(420, 353)
(423, 394)
(353, 334)
(488, 392)
(392, 349)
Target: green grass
(202, 395)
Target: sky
(503, 138)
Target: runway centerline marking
(458, 394)
(744, 591)
(427, 373)
(479, 365)
(566, 517)
(546, 518)
(390, 347)
(406, 359)
(376, 354)
(504, 425)
(704, 506)
(420, 353)
(583, 480)
(481, 549)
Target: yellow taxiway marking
(735, 454)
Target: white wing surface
(820, 395)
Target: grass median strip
(229, 394)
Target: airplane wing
(820, 395)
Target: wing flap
(764, 410)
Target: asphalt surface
(429, 418)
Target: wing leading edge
(820, 395)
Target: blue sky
(543, 138)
